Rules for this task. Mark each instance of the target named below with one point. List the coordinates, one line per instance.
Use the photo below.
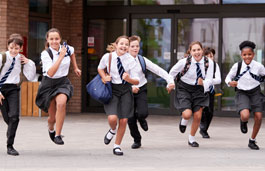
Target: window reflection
(39, 6)
(172, 2)
(155, 45)
(236, 30)
(243, 1)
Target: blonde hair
(112, 47)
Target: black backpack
(39, 64)
(143, 64)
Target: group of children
(196, 75)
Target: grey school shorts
(249, 99)
(121, 103)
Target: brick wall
(13, 19)
(68, 19)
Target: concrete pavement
(163, 147)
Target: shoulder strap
(110, 57)
(206, 64)
(185, 69)
(50, 53)
(3, 60)
(214, 68)
(239, 65)
(142, 62)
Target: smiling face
(54, 40)
(14, 49)
(196, 51)
(122, 46)
(247, 55)
(134, 48)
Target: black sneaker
(182, 128)
(252, 145)
(58, 140)
(12, 151)
(243, 126)
(193, 144)
(52, 135)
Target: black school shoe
(58, 140)
(193, 144)
(106, 140)
(252, 145)
(243, 126)
(52, 135)
(182, 128)
(117, 151)
(143, 124)
(136, 145)
(204, 134)
(12, 151)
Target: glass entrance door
(155, 45)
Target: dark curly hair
(247, 43)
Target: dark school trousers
(10, 110)
(207, 114)
(140, 113)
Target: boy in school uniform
(10, 64)
(246, 76)
(207, 113)
(140, 90)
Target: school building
(166, 28)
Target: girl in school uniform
(246, 76)
(56, 89)
(191, 97)
(140, 91)
(207, 113)
(122, 75)
(10, 64)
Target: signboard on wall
(90, 41)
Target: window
(172, 2)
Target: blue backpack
(143, 64)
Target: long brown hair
(47, 35)
(112, 47)
(194, 43)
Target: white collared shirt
(246, 82)
(128, 63)
(47, 62)
(29, 69)
(154, 69)
(191, 75)
(217, 79)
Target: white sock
(191, 139)
(184, 122)
(253, 139)
(115, 146)
(51, 131)
(110, 135)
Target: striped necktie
(7, 73)
(256, 77)
(199, 73)
(211, 89)
(240, 75)
(120, 69)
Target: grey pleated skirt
(49, 88)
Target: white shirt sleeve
(217, 79)
(29, 70)
(104, 61)
(231, 74)
(178, 67)
(46, 61)
(1, 59)
(208, 81)
(158, 71)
